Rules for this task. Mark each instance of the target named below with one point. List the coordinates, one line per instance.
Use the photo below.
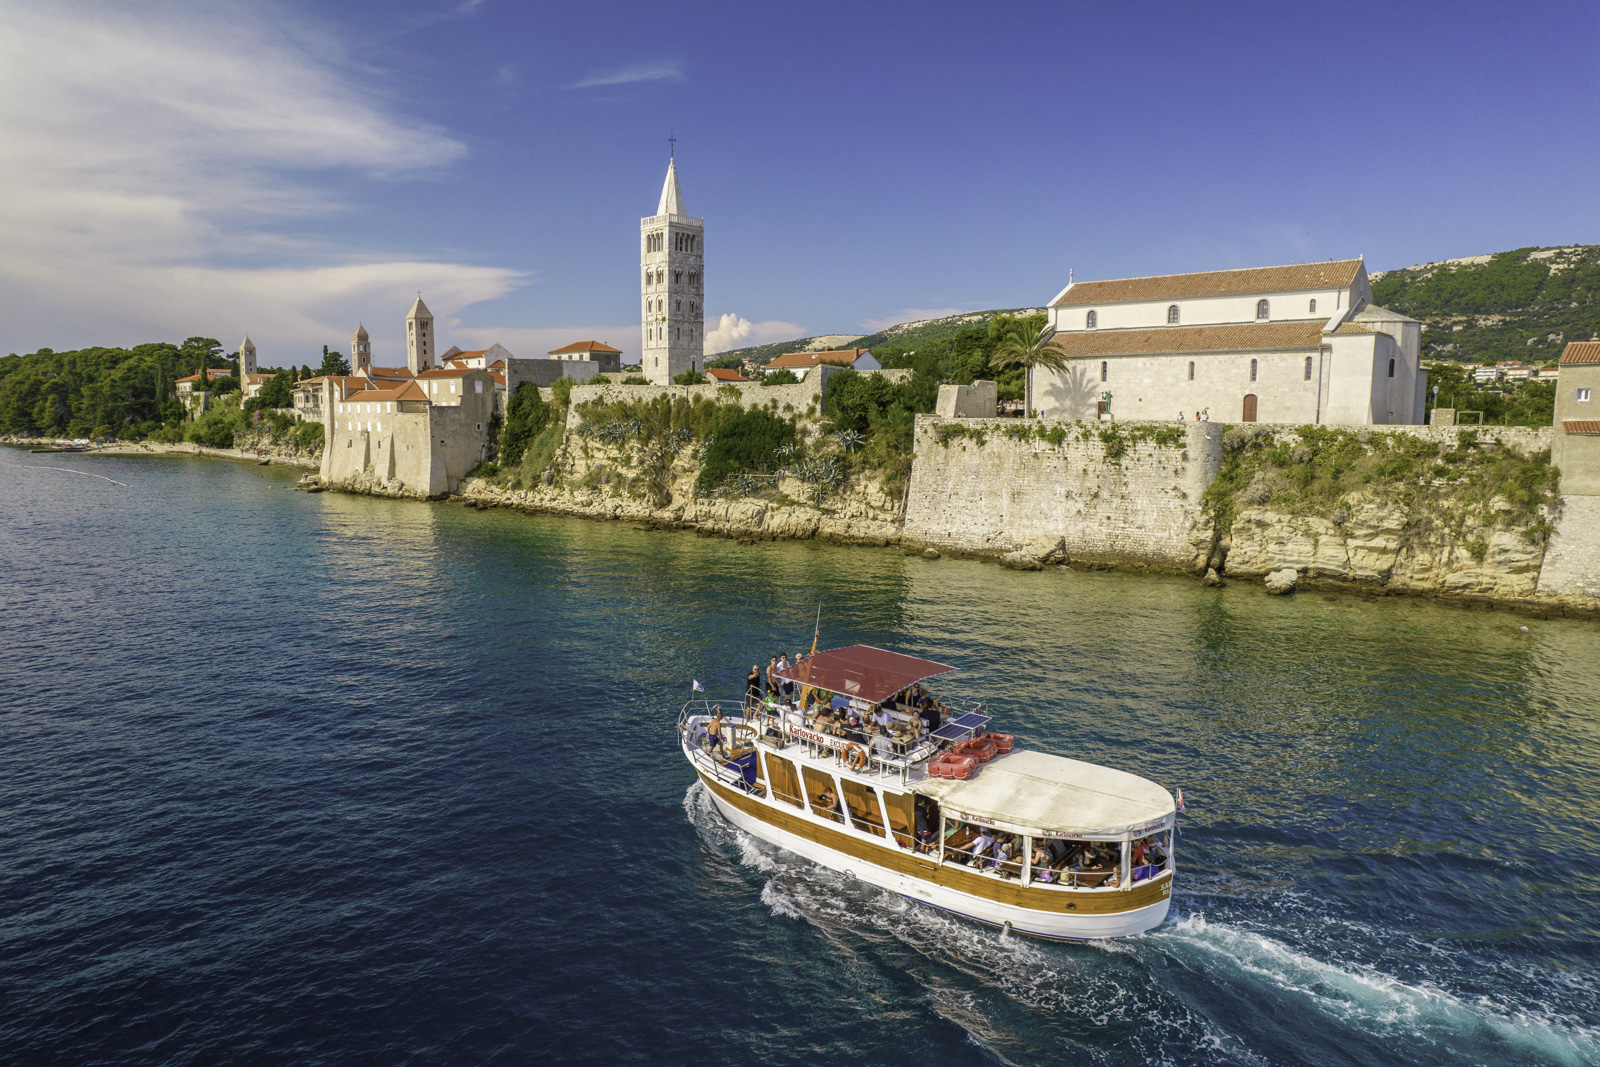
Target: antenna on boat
(816, 635)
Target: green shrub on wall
(743, 442)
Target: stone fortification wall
(795, 399)
(1127, 493)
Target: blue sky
(289, 169)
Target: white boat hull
(1053, 925)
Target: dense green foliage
(1529, 404)
(883, 414)
(1524, 305)
(690, 377)
(1321, 470)
(526, 417)
(744, 441)
(781, 376)
(99, 392)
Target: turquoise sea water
(328, 779)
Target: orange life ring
(855, 757)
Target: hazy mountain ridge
(1525, 304)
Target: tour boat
(904, 800)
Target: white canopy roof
(1035, 793)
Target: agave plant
(705, 446)
(585, 428)
(684, 435)
(849, 440)
(744, 485)
(808, 470)
(633, 428)
(830, 474)
(785, 453)
(613, 433)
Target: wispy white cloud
(665, 71)
(728, 332)
(151, 152)
(905, 315)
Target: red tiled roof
(1242, 337)
(448, 372)
(1585, 426)
(408, 391)
(1287, 278)
(1582, 352)
(586, 346)
(212, 374)
(811, 359)
(723, 374)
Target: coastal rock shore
(273, 455)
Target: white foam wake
(1376, 1002)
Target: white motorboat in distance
(850, 767)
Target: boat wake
(983, 980)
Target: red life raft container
(1001, 741)
(980, 750)
(950, 765)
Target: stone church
(1300, 343)
(672, 286)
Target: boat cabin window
(1150, 856)
(862, 800)
(785, 783)
(823, 794)
(903, 817)
(983, 849)
(1075, 863)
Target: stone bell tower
(419, 337)
(672, 286)
(247, 359)
(360, 352)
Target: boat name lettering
(814, 738)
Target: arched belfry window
(1172, 314)
(1261, 309)
(1313, 306)
(1091, 321)
(1391, 368)
(1252, 370)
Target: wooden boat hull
(1055, 914)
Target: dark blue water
(333, 780)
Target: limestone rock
(1280, 582)
(1046, 549)
(1212, 578)
(1021, 561)
(930, 553)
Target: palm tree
(1018, 350)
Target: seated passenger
(1002, 855)
(979, 850)
(827, 801)
(1040, 862)
(881, 717)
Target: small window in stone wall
(1391, 368)
(1308, 358)
(1191, 370)
(1091, 321)
(1313, 305)
(1252, 370)
(1583, 396)
(1103, 368)
(1172, 314)
(1261, 309)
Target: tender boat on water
(855, 767)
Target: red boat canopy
(864, 672)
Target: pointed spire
(671, 195)
(361, 332)
(419, 310)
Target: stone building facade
(1575, 446)
(1299, 344)
(672, 286)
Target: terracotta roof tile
(1287, 278)
(723, 374)
(1248, 337)
(586, 346)
(1353, 327)
(408, 391)
(1582, 352)
(811, 359)
(1584, 426)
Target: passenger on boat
(752, 688)
(1041, 862)
(827, 800)
(980, 848)
(924, 828)
(882, 718)
(785, 687)
(772, 678)
(714, 731)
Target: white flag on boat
(698, 688)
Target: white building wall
(1204, 311)
(672, 309)
(1158, 387)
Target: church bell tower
(419, 337)
(247, 359)
(672, 286)
(360, 352)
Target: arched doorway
(1250, 407)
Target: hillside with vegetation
(1521, 305)
(905, 336)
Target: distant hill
(1523, 305)
(905, 335)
